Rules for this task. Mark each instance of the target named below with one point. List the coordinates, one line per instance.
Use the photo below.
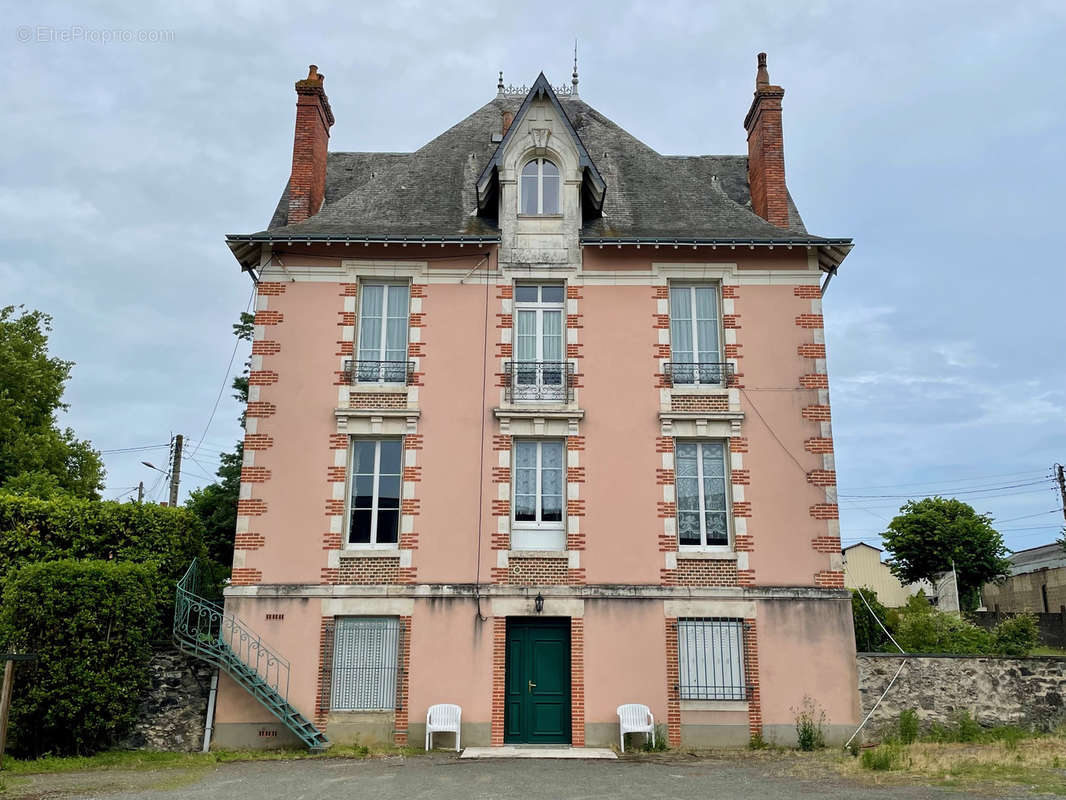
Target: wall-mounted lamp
(538, 604)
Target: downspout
(209, 726)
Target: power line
(136, 449)
(979, 490)
(1028, 473)
(226, 378)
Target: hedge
(34, 530)
(91, 624)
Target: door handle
(532, 686)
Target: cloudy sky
(932, 133)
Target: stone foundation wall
(1028, 692)
(172, 715)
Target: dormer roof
(593, 184)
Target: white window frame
(384, 332)
(522, 178)
(693, 322)
(717, 653)
(539, 307)
(357, 693)
(373, 544)
(537, 534)
(703, 546)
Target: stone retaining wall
(1028, 692)
(172, 715)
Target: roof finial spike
(499, 85)
(762, 77)
(573, 80)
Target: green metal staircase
(204, 630)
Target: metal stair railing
(204, 630)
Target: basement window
(710, 659)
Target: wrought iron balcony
(539, 381)
(703, 373)
(360, 371)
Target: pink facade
(599, 471)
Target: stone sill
(533, 411)
(706, 555)
(377, 412)
(378, 388)
(714, 705)
(708, 389)
(538, 554)
(697, 415)
(370, 552)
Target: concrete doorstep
(526, 751)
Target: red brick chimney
(766, 150)
(307, 183)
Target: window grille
(366, 663)
(710, 658)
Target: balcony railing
(536, 381)
(360, 371)
(704, 373)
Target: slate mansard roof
(432, 193)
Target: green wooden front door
(537, 708)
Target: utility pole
(1062, 486)
(175, 470)
(140, 491)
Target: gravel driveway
(446, 778)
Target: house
(863, 568)
(538, 424)
(1037, 582)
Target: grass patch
(147, 760)
(1010, 759)
(1047, 651)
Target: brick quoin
(826, 544)
(573, 292)
(731, 321)
(816, 413)
(251, 507)
(810, 321)
(575, 442)
(338, 441)
(248, 541)
(255, 474)
(419, 289)
(501, 508)
(412, 441)
(349, 290)
(808, 292)
(265, 347)
(825, 511)
(577, 682)
(811, 350)
(268, 317)
(262, 377)
(245, 576)
(741, 477)
(814, 381)
(742, 508)
(818, 445)
(258, 441)
(501, 442)
(331, 541)
(260, 409)
(403, 688)
(336, 474)
(822, 477)
(673, 695)
(504, 291)
(751, 668)
(731, 292)
(501, 475)
(499, 674)
(664, 444)
(270, 288)
(738, 444)
(323, 698)
(829, 579)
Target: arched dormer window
(539, 187)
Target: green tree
(930, 536)
(216, 503)
(869, 637)
(36, 456)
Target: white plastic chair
(441, 718)
(635, 718)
